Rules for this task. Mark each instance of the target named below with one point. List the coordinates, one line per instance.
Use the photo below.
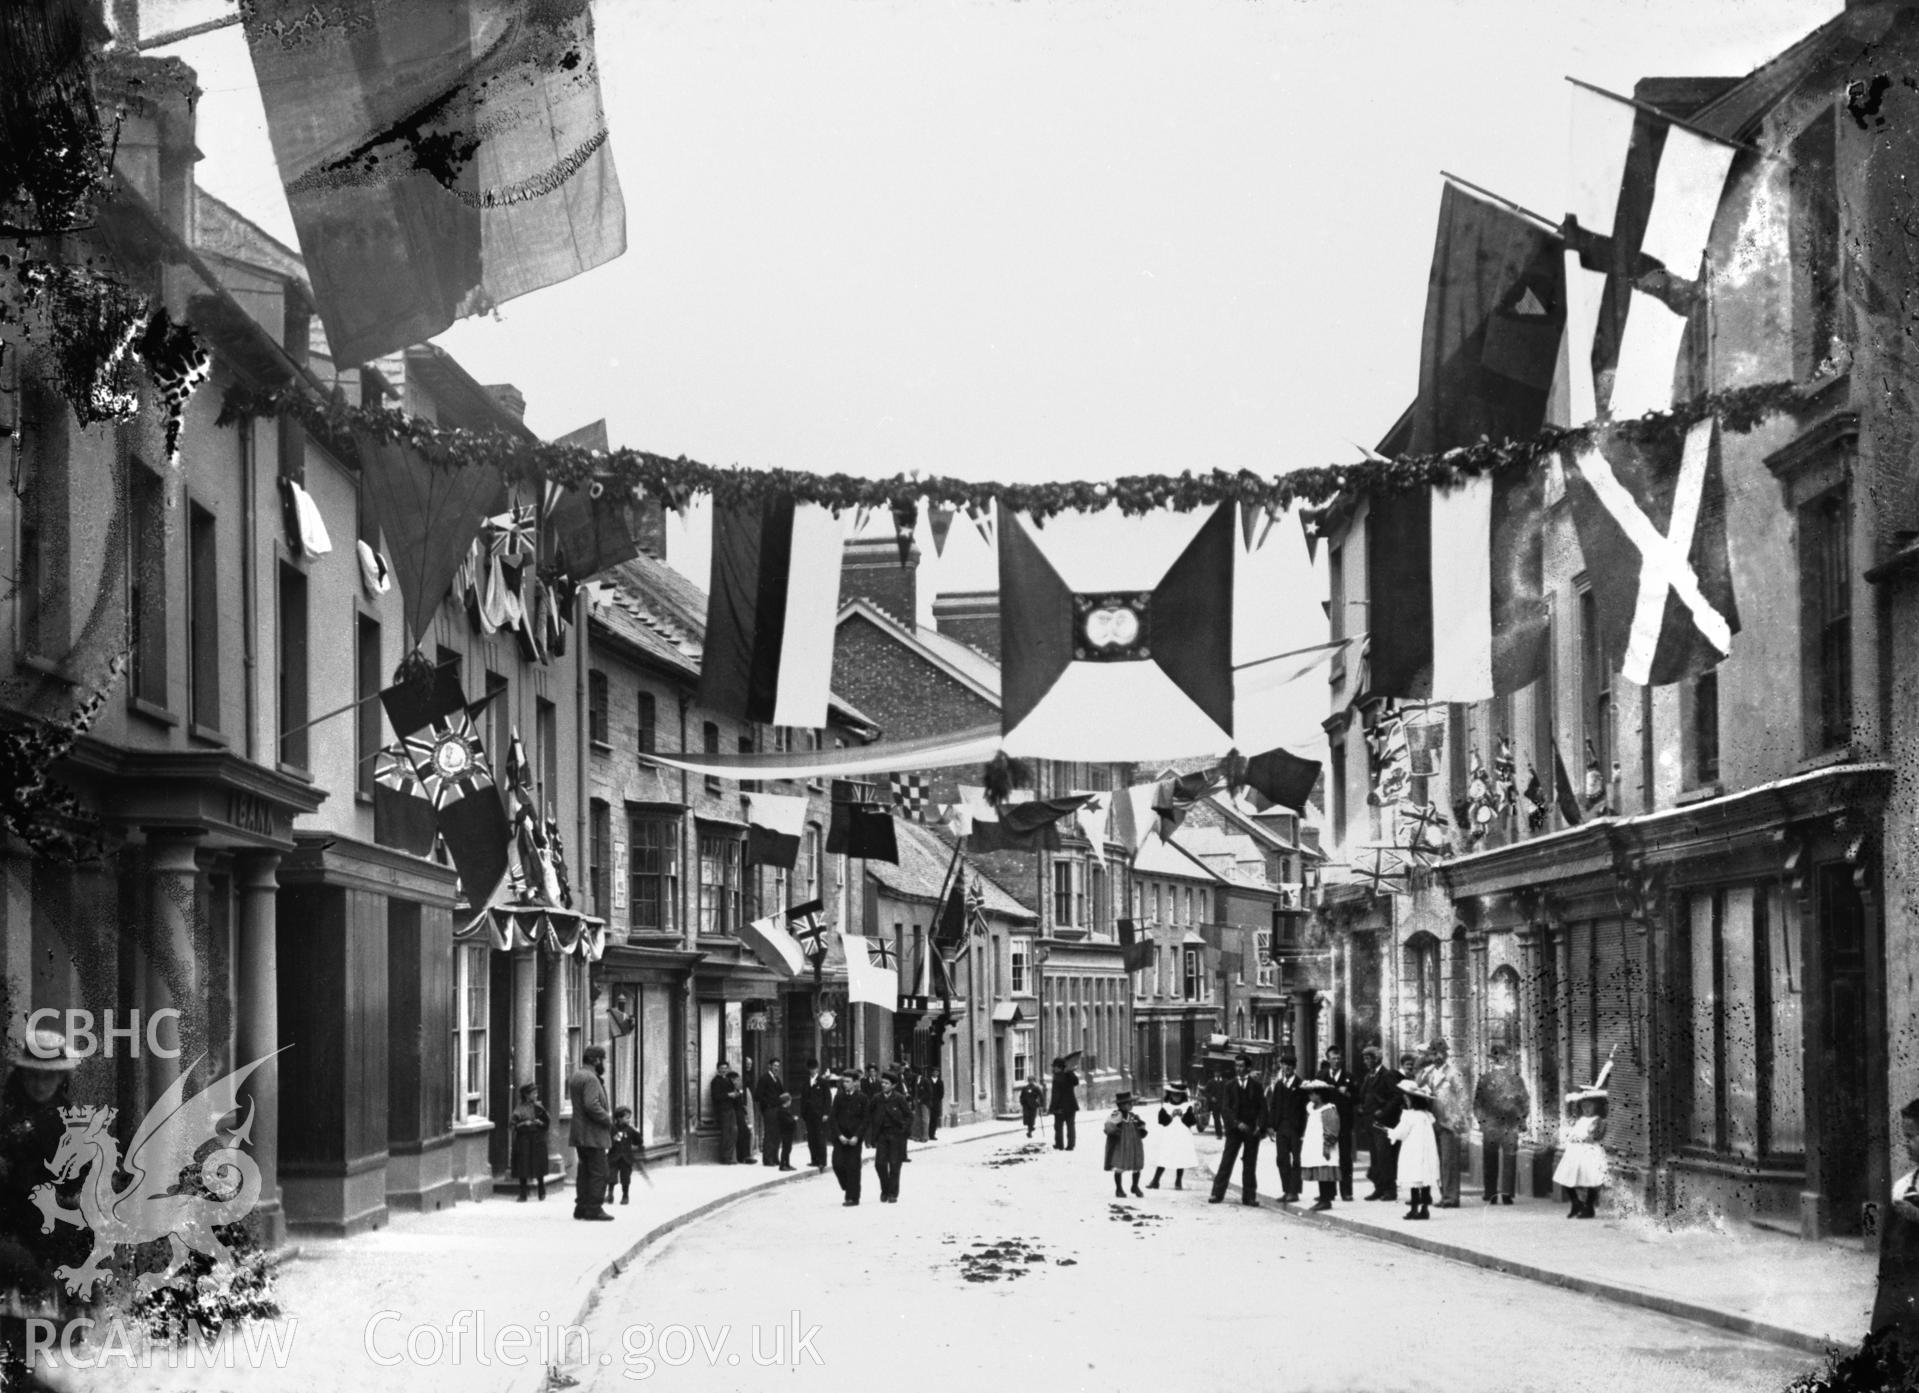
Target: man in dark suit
(850, 1118)
(1031, 1095)
(1377, 1095)
(889, 1123)
(1388, 1102)
(766, 1098)
(870, 1085)
(1345, 1093)
(933, 1094)
(1286, 1121)
(1064, 1107)
(725, 1115)
(1243, 1107)
(816, 1106)
(591, 1133)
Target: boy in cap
(890, 1124)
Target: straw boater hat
(1122, 1100)
(1408, 1086)
(46, 1051)
(1597, 1088)
(1317, 1085)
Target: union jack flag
(880, 953)
(803, 922)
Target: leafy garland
(43, 813)
(676, 480)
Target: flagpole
(1668, 117)
(1545, 223)
(1295, 653)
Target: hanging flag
(1174, 797)
(1282, 779)
(1029, 826)
(1595, 782)
(1312, 525)
(402, 816)
(1505, 776)
(306, 529)
(770, 612)
(982, 519)
(803, 922)
(1133, 819)
(909, 796)
(436, 726)
(1116, 634)
(1534, 801)
(940, 519)
(774, 945)
(440, 157)
(1460, 612)
(1563, 794)
(1386, 747)
(906, 520)
(1645, 195)
(1137, 949)
(536, 879)
(374, 573)
(774, 824)
(859, 826)
(1422, 831)
(871, 971)
(428, 515)
(1385, 875)
(1651, 519)
(1091, 817)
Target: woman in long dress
(1418, 1150)
(1169, 1140)
(1582, 1165)
(1125, 1144)
(1319, 1146)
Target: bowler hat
(1122, 1100)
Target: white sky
(1024, 239)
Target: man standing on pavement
(1379, 1109)
(721, 1093)
(849, 1122)
(933, 1091)
(1242, 1105)
(1345, 1093)
(1064, 1107)
(870, 1085)
(1286, 1121)
(890, 1122)
(816, 1106)
(1030, 1097)
(1502, 1105)
(1452, 1117)
(745, 1102)
(766, 1097)
(591, 1133)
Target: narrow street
(1008, 1259)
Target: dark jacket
(1286, 1106)
(1031, 1096)
(849, 1117)
(933, 1093)
(1501, 1100)
(1381, 1101)
(1345, 1091)
(530, 1122)
(626, 1145)
(30, 1132)
(891, 1115)
(592, 1124)
(1065, 1095)
(870, 1086)
(1243, 1106)
(1897, 1308)
(722, 1089)
(816, 1101)
(787, 1116)
(767, 1092)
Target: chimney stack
(870, 569)
(510, 397)
(971, 616)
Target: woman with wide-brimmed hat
(1169, 1142)
(39, 1073)
(1125, 1144)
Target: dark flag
(439, 157)
(1281, 778)
(587, 530)
(1651, 519)
(1174, 797)
(1463, 617)
(770, 611)
(1138, 950)
(1029, 826)
(439, 739)
(429, 515)
(774, 822)
(860, 827)
(1563, 794)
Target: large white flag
(872, 971)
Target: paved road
(1006, 1258)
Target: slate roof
(921, 872)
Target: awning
(1193, 940)
(1008, 1013)
(558, 931)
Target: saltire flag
(1137, 948)
(1029, 826)
(909, 796)
(429, 515)
(589, 530)
(440, 157)
(860, 827)
(1651, 519)
(1175, 795)
(1116, 634)
(1563, 795)
(769, 616)
(1459, 613)
(774, 945)
(1283, 779)
(435, 723)
(774, 824)
(1645, 196)
(871, 974)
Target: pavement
(1801, 1294)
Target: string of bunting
(676, 480)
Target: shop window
(653, 873)
(1747, 1076)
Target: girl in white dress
(1418, 1150)
(1319, 1146)
(1169, 1142)
(1582, 1163)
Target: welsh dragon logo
(151, 1205)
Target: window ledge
(49, 668)
(365, 800)
(1845, 754)
(206, 734)
(1700, 793)
(295, 771)
(472, 1126)
(601, 747)
(153, 711)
